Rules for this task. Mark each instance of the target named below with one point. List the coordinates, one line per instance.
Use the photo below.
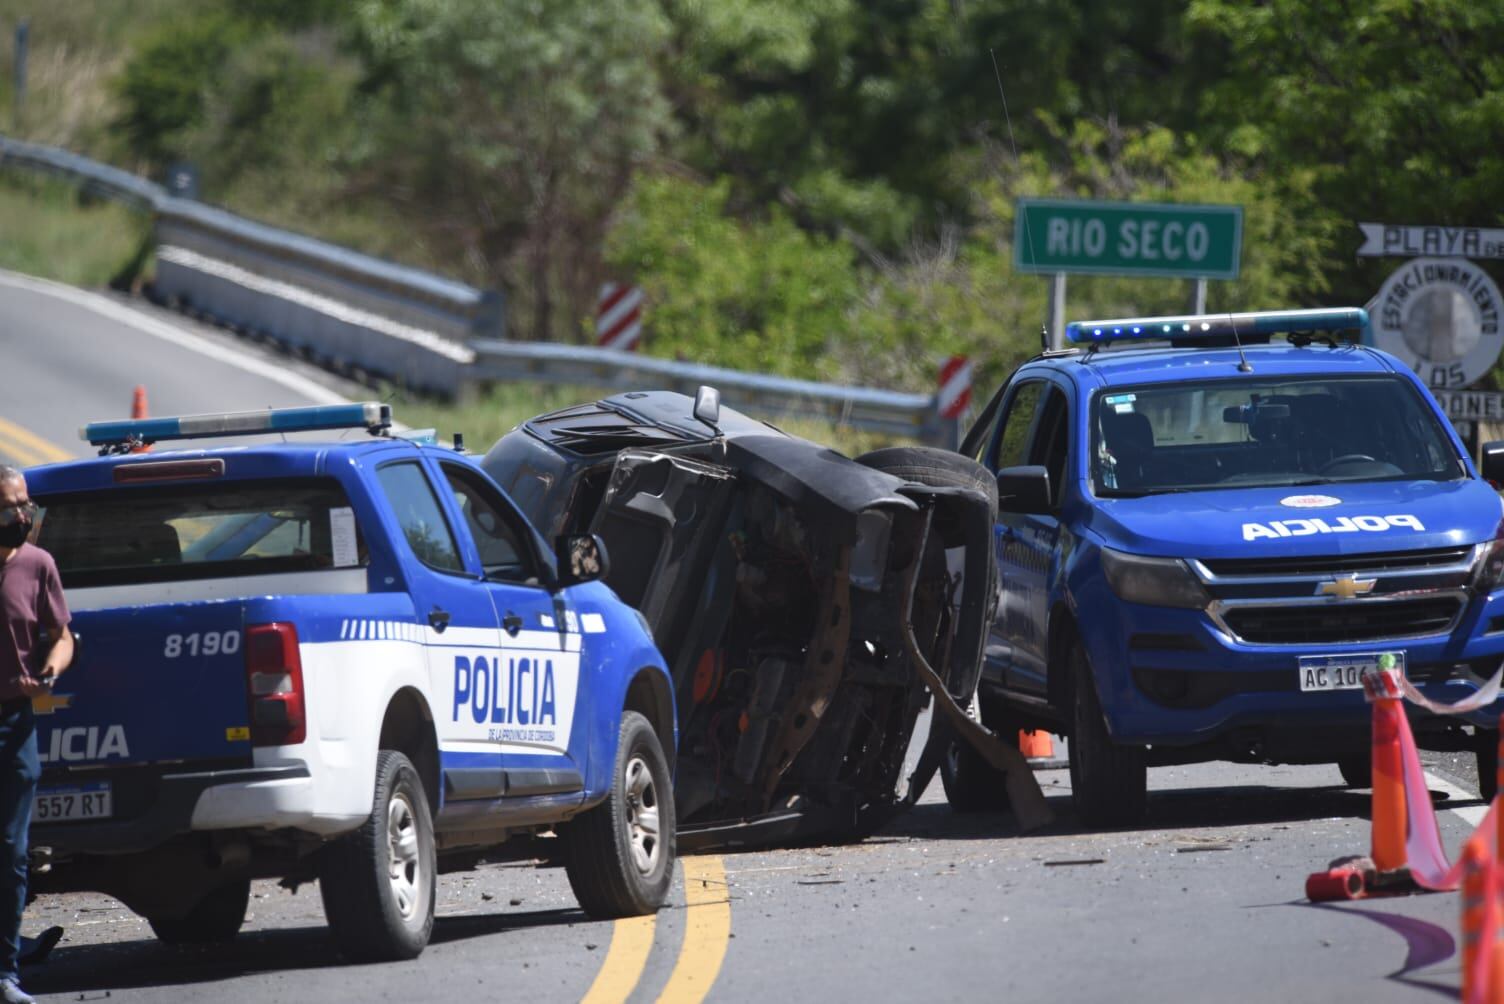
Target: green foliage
(162, 89)
(512, 128)
(758, 294)
(1392, 111)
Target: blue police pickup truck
(1209, 527)
(352, 661)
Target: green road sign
(1128, 238)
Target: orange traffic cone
(1035, 744)
(138, 410)
(1389, 819)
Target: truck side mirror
(1024, 489)
(581, 557)
(1492, 466)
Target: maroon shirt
(31, 597)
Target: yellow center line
(631, 941)
(27, 447)
(707, 931)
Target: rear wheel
(216, 917)
(971, 783)
(378, 883)
(1110, 783)
(1357, 769)
(619, 855)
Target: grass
(497, 410)
(48, 229)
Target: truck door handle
(438, 619)
(512, 623)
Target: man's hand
(59, 657)
(32, 687)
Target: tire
(932, 466)
(971, 783)
(216, 917)
(1110, 783)
(619, 855)
(378, 882)
(1487, 752)
(1357, 769)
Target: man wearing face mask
(31, 601)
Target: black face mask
(15, 534)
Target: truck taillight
(274, 685)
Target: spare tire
(929, 465)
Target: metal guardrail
(351, 310)
(883, 411)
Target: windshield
(199, 532)
(1199, 436)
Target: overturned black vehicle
(800, 598)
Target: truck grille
(1329, 623)
(1333, 564)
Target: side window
(1013, 441)
(1050, 445)
(503, 553)
(417, 509)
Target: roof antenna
(1243, 366)
(1044, 329)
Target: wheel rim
(642, 815)
(404, 869)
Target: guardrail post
(23, 35)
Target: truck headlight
(1489, 573)
(1155, 582)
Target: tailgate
(150, 684)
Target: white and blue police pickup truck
(352, 661)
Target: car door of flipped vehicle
(529, 695)
(663, 520)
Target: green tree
(509, 131)
(753, 294)
(1392, 110)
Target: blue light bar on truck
(371, 415)
(1194, 327)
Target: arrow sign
(1387, 240)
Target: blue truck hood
(1343, 518)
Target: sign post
(1060, 236)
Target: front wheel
(1110, 783)
(619, 855)
(378, 883)
(216, 917)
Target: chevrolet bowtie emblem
(46, 704)
(1346, 587)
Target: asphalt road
(1204, 902)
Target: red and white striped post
(954, 395)
(618, 316)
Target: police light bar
(1218, 326)
(371, 415)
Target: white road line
(1472, 815)
(148, 325)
